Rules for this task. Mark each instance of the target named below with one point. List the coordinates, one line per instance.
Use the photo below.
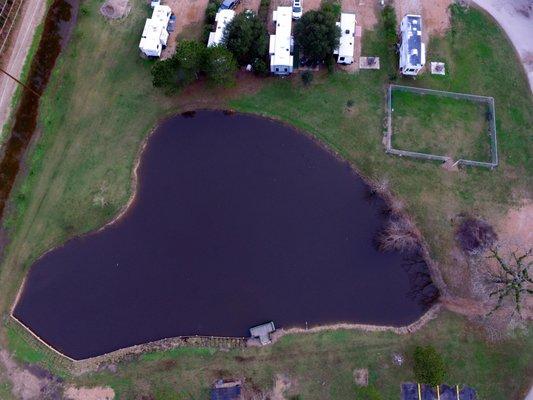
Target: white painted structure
(223, 18)
(345, 50)
(280, 48)
(412, 49)
(155, 35)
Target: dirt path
(31, 16)
(516, 19)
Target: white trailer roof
(280, 43)
(346, 41)
(412, 49)
(155, 33)
(223, 18)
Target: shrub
(317, 34)
(164, 73)
(260, 67)
(307, 77)
(211, 12)
(246, 37)
(428, 366)
(475, 236)
(220, 65)
(399, 235)
(389, 24)
(333, 7)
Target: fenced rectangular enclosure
(441, 126)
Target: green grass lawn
(99, 107)
(440, 125)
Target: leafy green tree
(260, 67)
(332, 6)
(429, 366)
(512, 279)
(189, 56)
(247, 38)
(165, 73)
(220, 65)
(317, 34)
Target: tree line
(245, 42)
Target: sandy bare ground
(307, 5)
(435, 14)
(248, 5)
(31, 383)
(22, 36)
(85, 393)
(516, 19)
(190, 16)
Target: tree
(220, 65)
(318, 35)
(428, 366)
(475, 236)
(189, 56)
(247, 38)
(307, 77)
(164, 73)
(512, 279)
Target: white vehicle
(412, 49)
(155, 35)
(297, 9)
(280, 48)
(345, 51)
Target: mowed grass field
(100, 106)
(444, 126)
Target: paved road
(32, 15)
(516, 18)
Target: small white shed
(223, 18)
(280, 47)
(412, 49)
(155, 35)
(345, 51)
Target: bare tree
(399, 235)
(512, 279)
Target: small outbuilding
(281, 44)
(222, 19)
(345, 51)
(412, 49)
(155, 35)
(263, 332)
(226, 390)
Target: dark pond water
(58, 25)
(238, 220)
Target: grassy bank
(321, 365)
(99, 107)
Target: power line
(20, 83)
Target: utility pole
(20, 83)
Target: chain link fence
(491, 116)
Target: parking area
(190, 15)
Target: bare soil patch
(360, 376)
(29, 383)
(435, 14)
(248, 5)
(190, 15)
(85, 393)
(115, 9)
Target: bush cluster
(193, 59)
(429, 367)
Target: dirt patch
(85, 393)
(435, 14)
(516, 228)
(115, 9)
(360, 376)
(190, 16)
(31, 383)
(282, 385)
(248, 5)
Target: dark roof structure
(414, 40)
(416, 391)
(226, 390)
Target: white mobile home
(280, 49)
(223, 18)
(347, 39)
(412, 50)
(155, 35)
